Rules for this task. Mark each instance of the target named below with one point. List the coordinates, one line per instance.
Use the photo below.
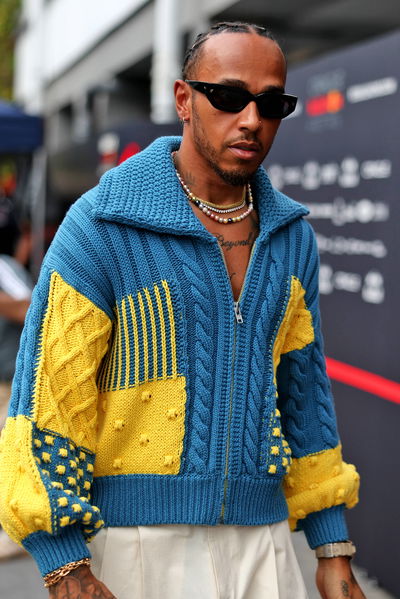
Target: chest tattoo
(228, 245)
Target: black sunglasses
(271, 105)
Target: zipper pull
(238, 314)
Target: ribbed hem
(326, 526)
(53, 551)
(252, 502)
(151, 499)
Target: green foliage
(9, 15)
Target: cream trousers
(198, 562)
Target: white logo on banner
(371, 287)
(340, 212)
(313, 175)
(372, 89)
(350, 246)
(373, 290)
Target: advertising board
(339, 155)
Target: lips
(245, 150)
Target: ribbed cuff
(53, 551)
(326, 526)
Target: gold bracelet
(53, 577)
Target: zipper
(238, 314)
(228, 440)
(238, 320)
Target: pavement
(19, 578)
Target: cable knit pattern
(258, 363)
(294, 389)
(140, 399)
(74, 341)
(326, 413)
(199, 443)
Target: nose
(249, 117)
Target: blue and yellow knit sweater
(140, 399)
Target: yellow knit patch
(150, 442)
(296, 329)
(29, 508)
(320, 481)
(74, 340)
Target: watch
(343, 549)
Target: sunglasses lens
(277, 106)
(229, 100)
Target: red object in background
(362, 379)
(331, 102)
(129, 150)
(8, 184)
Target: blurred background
(86, 84)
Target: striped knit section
(144, 340)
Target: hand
(335, 580)
(80, 584)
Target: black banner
(339, 155)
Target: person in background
(15, 295)
(171, 403)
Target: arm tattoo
(80, 584)
(345, 589)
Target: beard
(236, 177)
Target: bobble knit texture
(138, 398)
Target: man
(174, 350)
(15, 293)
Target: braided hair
(193, 53)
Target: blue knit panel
(261, 388)
(304, 390)
(79, 253)
(191, 499)
(326, 526)
(53, 551)
(199, 315)
(28, 355)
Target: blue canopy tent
(19, 132)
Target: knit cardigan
(145, 395)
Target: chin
(235, 177)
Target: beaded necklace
(208, 209)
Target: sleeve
(47, 447)
(320, 484)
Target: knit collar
(145, 192)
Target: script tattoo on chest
(228, 245)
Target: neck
(203, 181)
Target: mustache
(251, 138)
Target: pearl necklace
(206, 208)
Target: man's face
(235, 144)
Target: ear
(183, 102)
